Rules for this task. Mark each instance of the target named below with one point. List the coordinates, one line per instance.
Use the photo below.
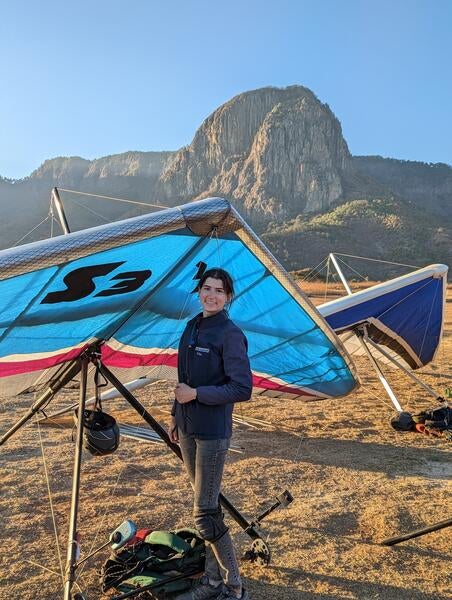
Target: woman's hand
(173, 431)
(184, 393)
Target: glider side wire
(31, 231)
(369, 391)
(159, 206)
(428, 321)
(327, 278)
(313, 271)
(404, 298)
(387, 262)
(89, 209)
(80, 571)
(215, 234)
(31, 562)
(35, 564)
(49, 492)
(352, 269)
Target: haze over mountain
(279, 155)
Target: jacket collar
(213, 321)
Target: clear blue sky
(96, 77)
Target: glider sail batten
(133, 290)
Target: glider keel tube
(248, 527)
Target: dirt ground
(355, 481)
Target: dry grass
(355, 481)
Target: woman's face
(213, 296)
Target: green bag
(160, 557)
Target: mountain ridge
(276, 153)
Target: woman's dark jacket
(213, 359)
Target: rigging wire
(312, 273)
(379, 398)
(313, 276)
(428, 321)
(49, 492)
(30, 232)
(159, 206)
(352, 269)
(79, 204)
(403, 299)
(102, 520)
(327, 279)
(388, 262)
(31, 562)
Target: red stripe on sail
(128, 360)
(267, 384)
(28, 366)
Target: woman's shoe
(229, 594)
(203, 590)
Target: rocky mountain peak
(267, 149)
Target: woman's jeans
(204, 461)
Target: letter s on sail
(80, 283)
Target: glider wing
(405, 315)
(128, 286)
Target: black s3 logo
(79, 283)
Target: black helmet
(403, 421)
(100, 432)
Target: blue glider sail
(129, 287)
(405, 315)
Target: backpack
(165, 560)
(437, 422)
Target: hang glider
(128, 286)
(405, 316)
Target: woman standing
(214, 373)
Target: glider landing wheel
(259, 553)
